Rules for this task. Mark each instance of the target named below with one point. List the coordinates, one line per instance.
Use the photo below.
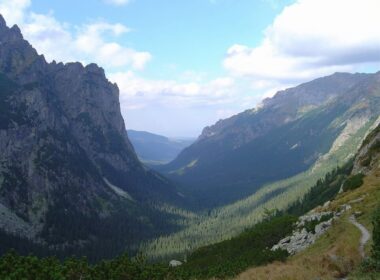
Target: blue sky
(182, 65)
(181, 35)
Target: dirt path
(363, 240)
(365, 234)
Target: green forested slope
(228, 221)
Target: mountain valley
(289, 188)
(153, 149)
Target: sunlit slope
(336, 254)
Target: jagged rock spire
(2, 21)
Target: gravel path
(365, 234)
(363, 240)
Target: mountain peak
(16, 31)
(2, 21)
(94, 68)
(8, 34)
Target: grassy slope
(229, 221)
(336, 253)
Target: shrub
(353, 182)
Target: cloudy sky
(183, 64)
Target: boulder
(174, 263)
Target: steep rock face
(368, 157)
(67, 168)
(283, 137)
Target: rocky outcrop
(304, 236)
(369, 154)
(308, 229)
(311, 226)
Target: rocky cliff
(368, 157)
(67, 168)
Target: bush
(310, 225)
(353, 182)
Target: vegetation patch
(324, 190)
(228, 258)
(353, 182)
(221, 260)
(15, 267)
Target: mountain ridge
(297, 125)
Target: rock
(334, 258)
(360, 199)
(341, 189)
(175, 263)
(366, 158)
(345, 207)
(322, 227)
(327, 204)
(285, 240)
(301, 238)
(358, 213)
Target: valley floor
(337, 254)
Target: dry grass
(336, 253)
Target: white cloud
(97, 42)
(311, 38)
(225, 113)
(118, 2)
(91, 42)
(137, 92)
(13, 11)
(176, 108)
(308, 39)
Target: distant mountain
(156, 149)
(69, 177)
(284, 137)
